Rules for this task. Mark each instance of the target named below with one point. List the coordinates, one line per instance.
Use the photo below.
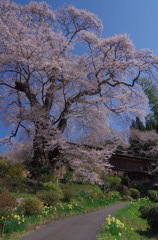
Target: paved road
(82, 227)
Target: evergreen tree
(151, 91)
(133, 125)
(138, 124)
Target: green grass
(130, 216)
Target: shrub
(134, 193)
(16, 172)
(7, 203)
(32, 205)
(49, 198)
(111, 183)
(96, 192)
(153, 195)
(113, 196)
(142, 187)
(50, 186)
(4, 167)
(68, 192)
(150, 212)
(15, 184)
(7, 206)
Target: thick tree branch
(121, 83)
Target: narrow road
(82, 227)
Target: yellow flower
(119, 234)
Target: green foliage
(127, 224)
(32, 205)
(142, 187)
(67, 177)
(138, 227)
(150, 124)
(112, 229)
(111, 183)
(151, 92)
(153, 195)
(96, 192)
(68, 192)
(138, 124)
(16, 184)
(4, 167)
(134, 193)
(13, 176)
(16, 172)
(50, 197)
(50, 186)
(113, 196)
(150, 212)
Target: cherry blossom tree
(143, 143)
(59, 76)
(87, 162)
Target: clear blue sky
(138, 18)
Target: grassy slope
(130, 216)
(86, 206)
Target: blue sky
(138, 18)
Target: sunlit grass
(135, 228)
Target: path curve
(82, 227)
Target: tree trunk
(46, 141)
(43, 143)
